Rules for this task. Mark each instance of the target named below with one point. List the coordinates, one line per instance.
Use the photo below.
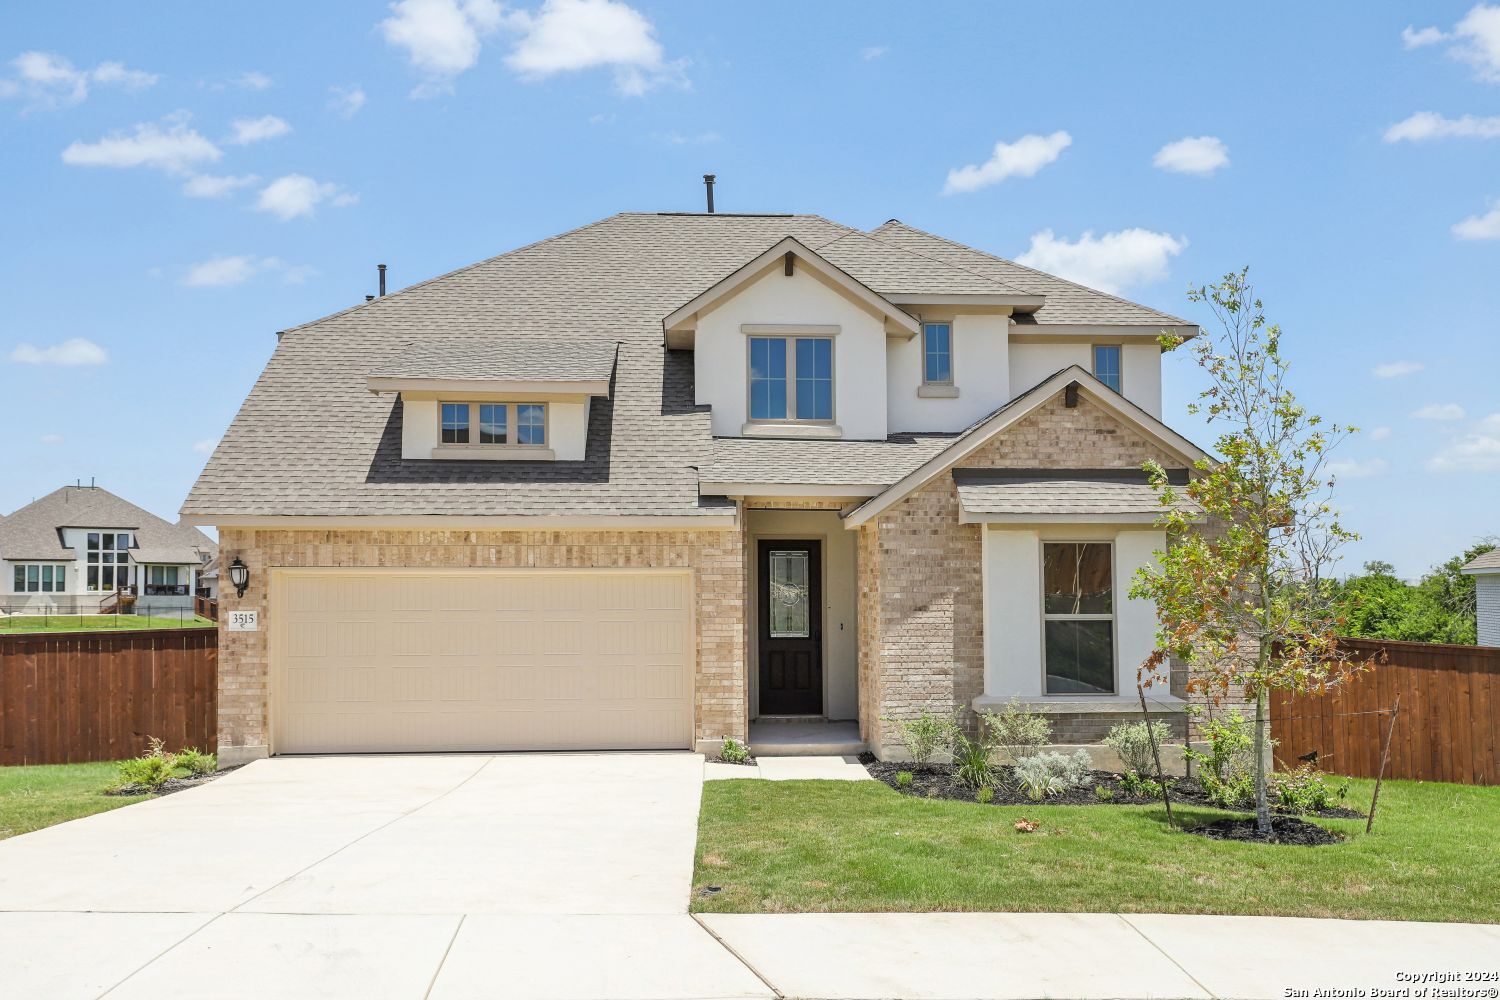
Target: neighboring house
(642, 483)
(76, 548)
(208, 579)
(1486, 572)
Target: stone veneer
(921, 593)
(716, 556)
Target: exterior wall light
(239, 575)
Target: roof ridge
(1032, 270)
(947, 263)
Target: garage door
(481, 660)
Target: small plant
(985, 795)
(903, 779)
(150, 770)
(971, 761)
(924, 735)
(733, 751)
(1016, 732)
(1306, 790)
(1104, 793)
(195, 763)
(1140, 787)
(1132, 742)
(1227, 770)
(1038, 779)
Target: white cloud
(1440, 411)
(174, 148)
(873, 51)
(297, 195)
(216, 185)
(1396, 369)
(697, 139)
(1479, 227)
(566, 36)
(1425, 125)
(1022, 158)
(1414, 38)
(1110, 262)
(1476, 451)
(1201, 155)
(206, 446)
(441, 37)
(48, 80)
(252, 79)
(346, 101)
(225, 270)
(248, 130)
(77, 351)
(1379, 433)
(1355, 469)
(51, 439)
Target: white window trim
(951, 381)
(40, 565)
(752, 422)
(474, 449)
(1114, 629)
(89, 563)
(1094, 362)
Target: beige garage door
(481, 660)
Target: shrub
(150, 770)
(985, 795)
(1227, 770)
(903, 779)
(1103, 793)
(1016, 732)
(1132, 741)
(1140, 787)
(1045, 774)
(1305, 790)
(195, 763)
(733, 751)
(924, 735)
(972, 762)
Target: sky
(180, 181)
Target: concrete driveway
(404, 877)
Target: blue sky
(183, 180)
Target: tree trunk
(1262, 796)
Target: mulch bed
(937, 781)
(172, 784)
(1284, 830)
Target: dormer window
(791, 379)
(455, 423)
(937, 353)
(495, 422)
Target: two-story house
(645, 483)
(81, 548)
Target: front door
(791, 627)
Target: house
(660, 478)
(78, 548)
(1486, 572)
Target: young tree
(1246, 600)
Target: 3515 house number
(244, 621)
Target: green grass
(827, 846)
(41, 795)
(95, 623)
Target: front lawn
(41, 795)
(820, 846)
(95, 623)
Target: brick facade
(922, 614)
(716, 556)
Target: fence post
(1385, 751)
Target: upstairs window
(806, 367)
(107, 560)
(499, 424)
(937, 353)
(34, 578)
(1107, 365)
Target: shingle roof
(610, 281)
(32, 531)
(820, 463)
(1067, 302)
(519, 359)
(1050, 496)
(1487, 560)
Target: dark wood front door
(791, 627)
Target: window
(39, 578)
(1107, 365)
(108, 560)
(807, 368)
(496, 421)
(1078, 617)
(788, 592)
(455, 423)
(163, 575)
(937, 353)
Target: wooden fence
(1448, 728)
(68, 697)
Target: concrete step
(805, 739)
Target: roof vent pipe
(381, 268)
(708, 183)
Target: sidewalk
(979, 956)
